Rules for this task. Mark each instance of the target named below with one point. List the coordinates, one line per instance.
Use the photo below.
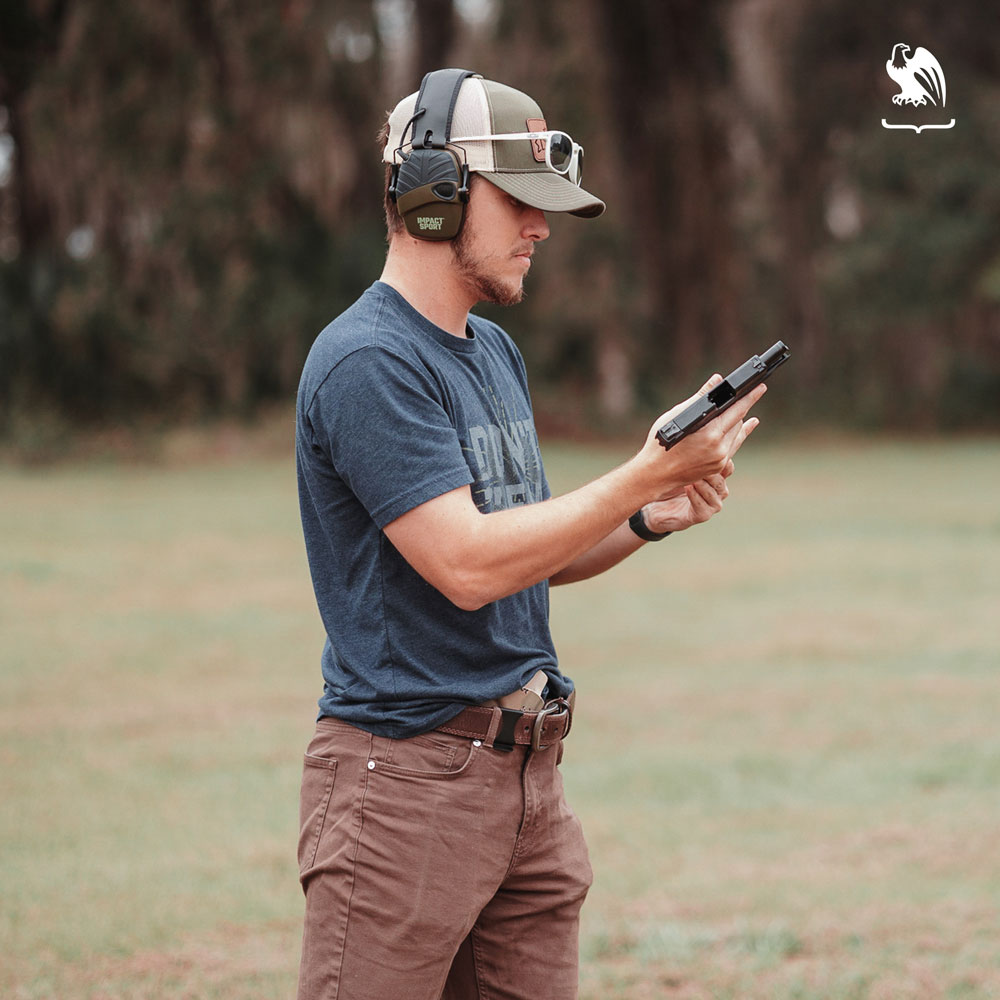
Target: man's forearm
(608, 552)
(480, 558)
(474, 558)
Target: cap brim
(548, 191)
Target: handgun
(733, 387)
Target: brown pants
(437, 869)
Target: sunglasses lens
(560, 151)
(579, 167)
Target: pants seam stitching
(476, 966)
(354, 872)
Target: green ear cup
(430, 194)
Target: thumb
(674, 410)
(712, 382)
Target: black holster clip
(504, 739)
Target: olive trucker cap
(517, 166)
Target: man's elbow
(468, 587)
(468, 603)
(467, 592)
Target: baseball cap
(488, 108)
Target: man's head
(460, 124)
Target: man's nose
(536, 226)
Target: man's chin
(499, 293)
(512, 297)
(488, 283)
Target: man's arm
(475, 559)
(694, 505)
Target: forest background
(190, 191)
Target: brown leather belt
(505, 728)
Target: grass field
(786, 754)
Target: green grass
(786, 754)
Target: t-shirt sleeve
(382, 423)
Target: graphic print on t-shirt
(505, 459)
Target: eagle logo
(920, 76)
(921, 81)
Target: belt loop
(494, 726)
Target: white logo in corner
(921, 80)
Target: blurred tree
(29, 34)
(669, 75)
(197, 185)
(887, 233)
(189, 192)
(435, 23)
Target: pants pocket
(318, 774)
(441, 756)
(418, 753)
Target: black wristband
(638, 524)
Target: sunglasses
(562, 154)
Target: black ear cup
(431, 190)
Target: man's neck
(426, 277)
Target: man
(437, 853)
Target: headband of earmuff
(430, 184)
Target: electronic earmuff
(430, 184)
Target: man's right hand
(705, 453)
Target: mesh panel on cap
(470, 117)
(400, 115)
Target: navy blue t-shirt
(392, 412)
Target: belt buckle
(559, 705)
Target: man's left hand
(695, 504)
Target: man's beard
(475, 270)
